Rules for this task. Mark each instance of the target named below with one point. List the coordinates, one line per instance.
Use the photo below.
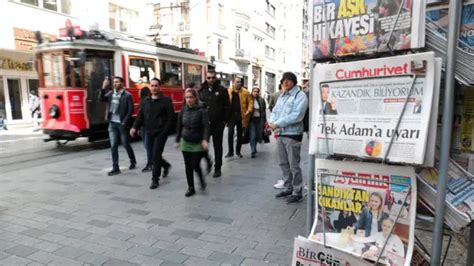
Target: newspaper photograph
(365, 210)
(342, 28)
(359, 105)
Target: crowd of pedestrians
(207, 109)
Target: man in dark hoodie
(156, 116)
(214, 97)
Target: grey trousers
(289, 155)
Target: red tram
(71, 74)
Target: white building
(257, 39)
(20, 19)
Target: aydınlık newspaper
(366, 210)
(358, 104)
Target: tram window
(47, 66)
(192, 74)
(96, 69)
(171, 74)
(53, 71)
(72, 79)
(141, 70)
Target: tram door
(98, 66)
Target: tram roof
(112, 41)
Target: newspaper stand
(438, 221)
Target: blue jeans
(118, 134)
(148, 148)
(255, 132)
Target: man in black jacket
(215, 98)
(120, 108)
(156, 116)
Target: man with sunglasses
(156, 116)
(215, 98)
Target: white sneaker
(279, 184)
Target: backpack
(306, 115)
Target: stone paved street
(67, 211)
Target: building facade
(20, 19)
(258, 40)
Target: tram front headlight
(54, 111)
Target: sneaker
(294, 199)
(283, 194)
(166, 171)
(190, 192)
(132, 166)
(114, 171)
(228, 155)
(217, 173)
(154, 184)
(279, 184)
(147, 168)
(239, 155)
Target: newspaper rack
(454, 22)
(408, 186)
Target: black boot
(190, 192)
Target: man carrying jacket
(214, 97)
(156, 116)
(120, 108)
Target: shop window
(170, 74)
(30, 2)
(66, 6)
(186, 42)
(51, 5)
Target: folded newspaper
(365, 211)
(459, 197)
(342, 28)
(359, 105)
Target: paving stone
(119, 235)
(193, 261)
(92, 258)
(21, 250)
(124, 184)
(198, 216)
(15, 260)
(146, 260)
(47, 246)
(116, 262)
(73, 233)
(33, 232)
(172, 256)
(198, 252)
(159, 222)
(212, 238)
(104, 192)
(191, 242)
(69, 252)
(273, 248)
(168, 245)
(144, 250)
(42, 257)
(56, 229)
(278, 258)
(250, 253)
(221, 247)
(52, 237)
(138, 212)
(99, 223)
(4, 255)
(128, 200)
(226, 258)
(6, 244)
(254, 262)
(221, 220)
(187, 233)
(222, 200)
(55, 214)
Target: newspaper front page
(358, 105)
(366, 210)
(343, 28)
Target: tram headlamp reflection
(54, 111)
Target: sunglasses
(211, 78)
